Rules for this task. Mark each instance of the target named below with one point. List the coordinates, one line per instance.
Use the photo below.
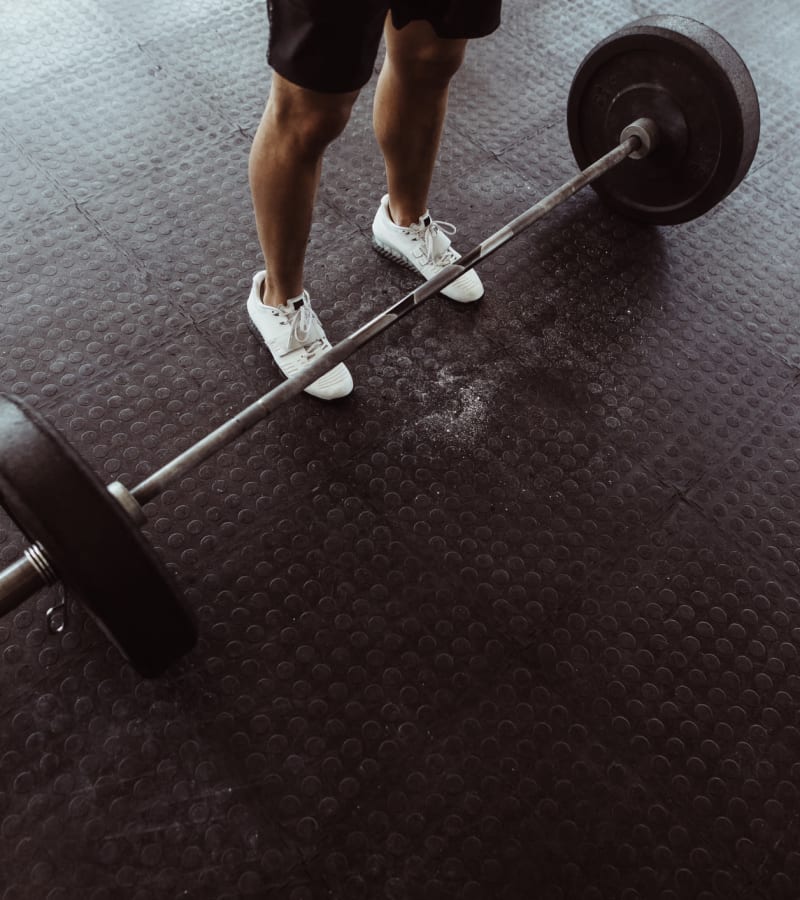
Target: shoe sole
(260, 339)
(387, 252)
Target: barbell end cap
(646, 131)
(127, 501)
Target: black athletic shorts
(331, 45)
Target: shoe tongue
(305, 326)
(425, 220)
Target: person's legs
(408, 117)
(285, 164)
(321, 54)
(409, 111)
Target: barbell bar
(32, 571)
(655, 158)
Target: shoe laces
(427, 232)
(305, 330)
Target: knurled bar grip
(22, 578)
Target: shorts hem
(317, 51)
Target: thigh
(325, 45)
(463, 19)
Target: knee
(309, 125)
(430, 65)
(315, 129)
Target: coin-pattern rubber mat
(520, 618)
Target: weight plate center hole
(652, 102)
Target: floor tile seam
(518, 143)
(82, 207)
(789, 388)
(741, 330)
(711, 463)
(790, 359)
(736, 329)
(683, 493)
(691, 498)
(243, 124)
(121, 42)
(232, 128)
(465, 136)
(16, 229)
(88, 208)
(733, 204)
(129, 358)
(787, 394)
(117, 34)
(730, 538)
(783, 200)
(126, 37)
(213, 337)
(73, 203)
(90, 62)
(674, 493)
(43, 170)
(673, 502)
(215, 143)
(50, 405)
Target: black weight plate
(695, 86)
(94, 547)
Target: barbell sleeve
(18, 582)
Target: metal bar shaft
(21, 579)
(261, 408)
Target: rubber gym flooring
(521, 617)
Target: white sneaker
(423, 247)
(294, 336)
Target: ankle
(404, 215)
(272, 295)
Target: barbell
(663, 121)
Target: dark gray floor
(520, 618)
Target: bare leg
(409, 112)
(285, 166)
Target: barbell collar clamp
(33, 570)
(127, 501)
(646, 132)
